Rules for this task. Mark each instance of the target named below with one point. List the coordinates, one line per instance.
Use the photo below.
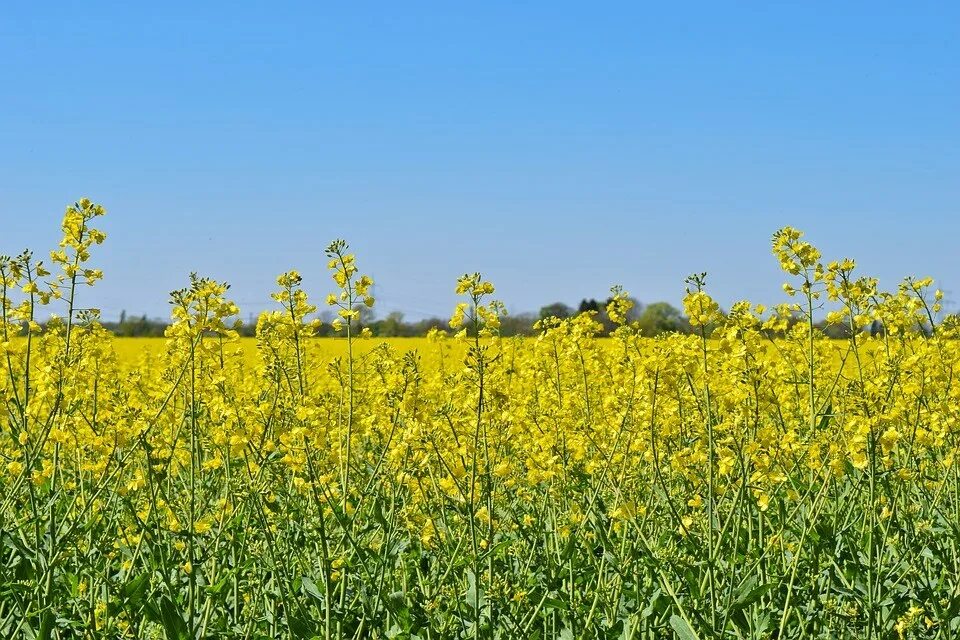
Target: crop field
(142, 352)
(752, 480)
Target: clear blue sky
(557, 148)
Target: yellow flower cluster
(726, 483)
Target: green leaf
(747, 598)
(46, 625)
(658, 603)
(216, 588)
(684, 632)
(135, 589)
(173, 624)
(474, 598)
(301, 627)
(378, 515)
(310, 588)
(825, 418)
(746, 595)
(555, 603)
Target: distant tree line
(653, 319)
(138, 327)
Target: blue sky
(557, 148)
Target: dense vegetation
(557, 486)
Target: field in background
(131, 351)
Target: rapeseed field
(753, 480)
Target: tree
(555, 310)
(392, 326)
(517, 325)
(588, 305)
(661, 317)
(366, 315)
(636, 310)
